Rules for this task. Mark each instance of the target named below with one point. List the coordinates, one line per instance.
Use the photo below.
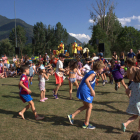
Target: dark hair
(73, 64)
(135, 136)
(40, 71)
(131, 61)
(137, 77)
(112, 61)
(24, 67)
(98, 65)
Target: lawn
(108, 113)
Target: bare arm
(46, 76)
(90, 78)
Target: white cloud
(90, 21)
(126, 20)
(81, 37)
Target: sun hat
(42, 67)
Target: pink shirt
(5, 59)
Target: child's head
(41, 69)
(130, 62)
(112, 61)
(135, 136)
(88, 61)
(73, 64)
(137, 77)
(98, 66)
(25, 69)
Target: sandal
(123, 127)
(55, 96)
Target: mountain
(6, 26)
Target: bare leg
(88, 113)
(118, 84)
(79, 110)
(21, 113)
(57, 88)
(70, 91)
(42, 95)
(123, 83)
(102, 76)
(131, 119)
(76, 84)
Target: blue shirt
(131, 55)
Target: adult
(122, 58)
(46, 59)
(61, 47)
(131, 54)
(75, 49)
(40, 58)
(114, 56)
(5, 59)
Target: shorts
(118, 80)
(58, 79)
(130, 83)
(25, 97)
(72, 80)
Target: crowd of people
(83, 76)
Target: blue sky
(74, 15)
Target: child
(59, 74)
(24, 93)
(31, 70)
(115, 71)
(72, 76)
(41, 79)
(86, 93)
(134, 101)
(34, 67)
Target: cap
(62, 55)
(101, 54)
(42, 67)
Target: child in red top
(24, 93)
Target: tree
(39, 37)
(6, 47)
(21, 38)
(129, 38)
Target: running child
(134, 101)
(41, 78)
(115, 71)
(24, 93)
(72, 76)
(86, 93)
(59, 74)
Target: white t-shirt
(87, 68)
(95, 58)
(58, 66)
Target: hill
(6, 26)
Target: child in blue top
(86, 93)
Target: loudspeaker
(101, 47)
(17, 50)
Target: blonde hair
(98, 65)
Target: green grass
(108, 113)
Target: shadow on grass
(117, 111)
(9, 85)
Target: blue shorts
(26, 97)
(72, 80)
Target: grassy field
(108, 113)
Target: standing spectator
(45, 59)
(122, 58)
(131, 54)
(40, 58)
(4, 58)
(114, 56)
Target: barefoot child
(72, 76)
(134, 101)
(24, 93)
(86, 93)
(41, 79)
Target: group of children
(88, 76)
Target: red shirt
(24, 78)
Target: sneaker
(31, 83)
(54, 92)
(116, 86)
(90, 126)
(55, 96)
(42, 100)
(103, 82)
(70, 119)
(45, 99)
(106, 81)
